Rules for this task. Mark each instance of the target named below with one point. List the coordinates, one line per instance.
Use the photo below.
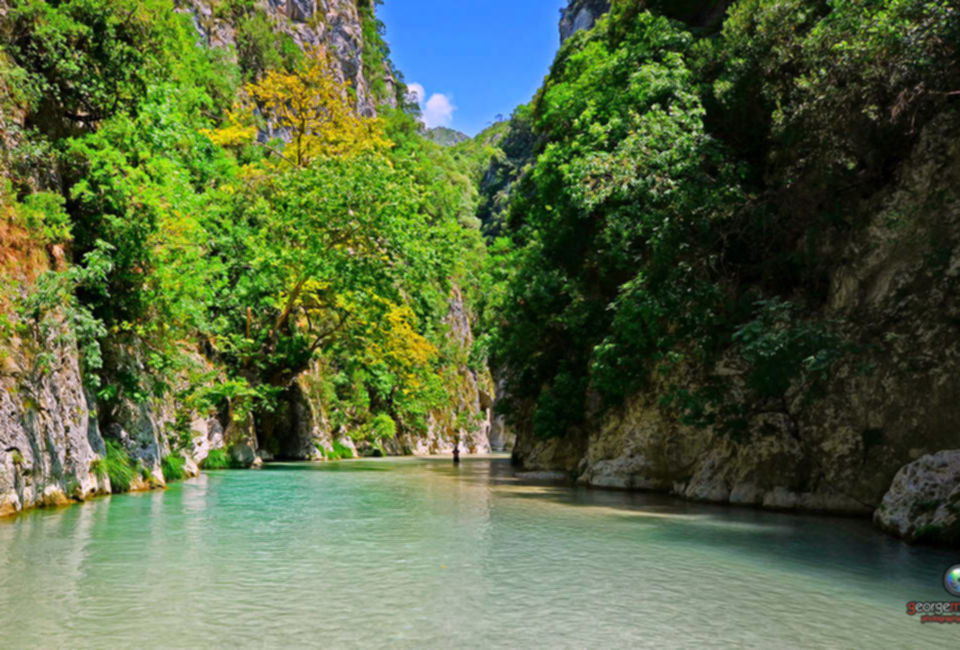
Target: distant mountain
(445, 137)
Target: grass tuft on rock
(217, 459)
(118, 466)
(172, 466)
(338, 451)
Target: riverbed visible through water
(417, 553)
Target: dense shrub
(613, 217)
(338, 451)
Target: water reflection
(418, 553)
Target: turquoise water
(414, 553)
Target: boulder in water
(923, 502)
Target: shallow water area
(417, 553)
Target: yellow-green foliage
(308, 104)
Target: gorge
(717, 256)
(690, 315)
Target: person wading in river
(456, 451)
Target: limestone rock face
(502, 436)
(468, 416)
(50, 426)
(156, 427)
(207, 435)
(48, 439)
(566, 454)
(139, 426)
(240, 442)
(581, 14)
(333, 24)
(923, 503)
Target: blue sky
(472, 58)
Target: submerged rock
(542, 476)
(923, 503)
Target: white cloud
(436, 111)
(415, 92)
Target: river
(417, 553)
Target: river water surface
(415, 553)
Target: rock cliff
(51, 444)
(839, 452)
(301, 429)
(49, 439)
(880, 436)
(468, 418)
(336, 25)
(151, 428)
(581, 14)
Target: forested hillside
(735, 245)
(225, 238)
